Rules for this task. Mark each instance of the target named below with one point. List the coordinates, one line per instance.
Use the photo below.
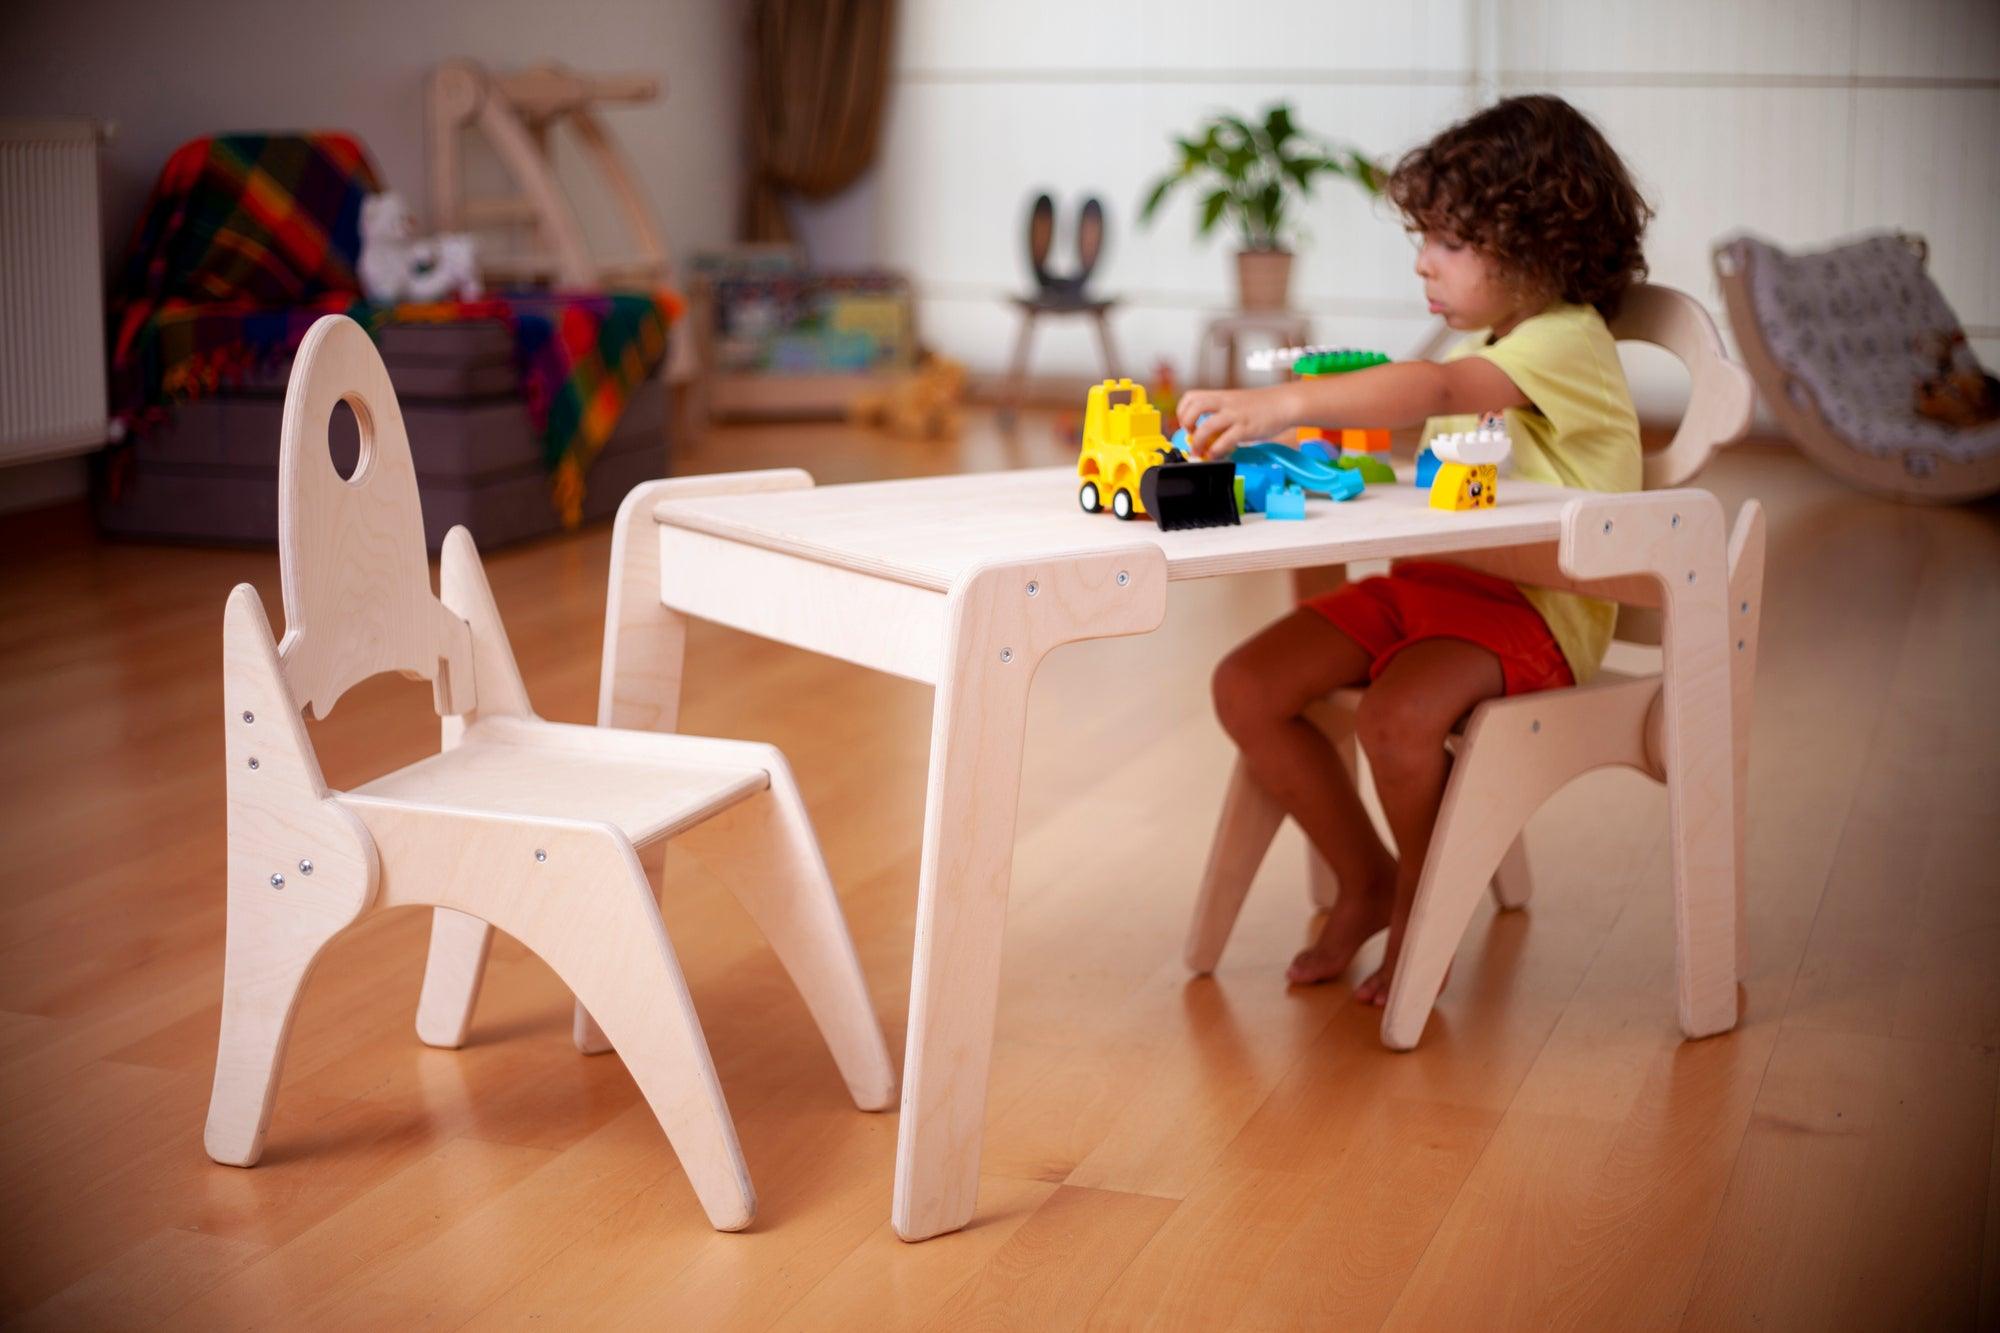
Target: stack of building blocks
(1468, 467)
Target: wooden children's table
(967, 582)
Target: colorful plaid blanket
(579, 356)
(248, 239)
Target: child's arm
(1403, 393)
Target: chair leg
(278, 817)
(1512, 884)
(1478, 823)
(1250, 819)
(1111, 365)
(764, 849)
(1017, 370)
(575, 894)
(264, 971)
(453, 971)
(1508, 764)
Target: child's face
(1465, 287)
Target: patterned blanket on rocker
(249, 238)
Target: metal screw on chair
(541, 855)
(277, 880)
(1536, 725)
(1739, 645)
(249, 716)
(1607, 525)
(1677, 521)
(305, 867)
(1033, 587)
(1123, 578)
(1006, 654)
(253, 761)
(1690, 576)
(1745, 608)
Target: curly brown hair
(1532, 183)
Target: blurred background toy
(922, 405)
(396, 265)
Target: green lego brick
(1337, 362)
(1373, 470)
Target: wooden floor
(1216, 1153)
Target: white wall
(1803, 119)
(168, 72)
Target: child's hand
(1234, 416)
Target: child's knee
(1399, 728)
(1241, 695)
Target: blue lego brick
(1286, 502)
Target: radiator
(51, 290)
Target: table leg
(1002, 620)
(645, 641)
(1678, 539)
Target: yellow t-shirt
(1578, 430)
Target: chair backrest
(1720, 393)
(1720, 396)
(351, 558)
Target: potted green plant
(1252, 175)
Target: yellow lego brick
(1464, 486)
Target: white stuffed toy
(396, 267)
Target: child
(1529, 232)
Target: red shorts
(1425, 600)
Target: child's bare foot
(1350, 923)
(1375, 989)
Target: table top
(930, 531)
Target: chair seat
(1062, 303)
(518, 766)
(1348, 698)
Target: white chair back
(356, 578)
(1720, 393)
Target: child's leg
(1404, 719)
(1262, 690)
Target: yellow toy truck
(1129, 467)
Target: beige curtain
(819, 71)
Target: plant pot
(1263, 279)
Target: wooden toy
(1838, 342)
(517, 114)
(531, 826)
(1648, 551)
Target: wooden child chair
(1512, 754)
(527, 825)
